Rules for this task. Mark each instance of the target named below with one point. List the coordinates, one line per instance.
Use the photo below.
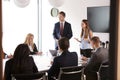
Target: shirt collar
(62, 22)
(95, 49)
(62, 52)
(59, 53)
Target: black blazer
(98, 57)
(66, 59)
(28, 68)
(67, 32)
(34, 50)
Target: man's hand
(84, 58)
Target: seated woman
(31, 44)
(21, 63)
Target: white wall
(17, 23)
(76, 10)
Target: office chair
(101, 74)
(34, 76)
(104, 71)
(71, 73)
(103, 44)
(93, 75)
(107, 44)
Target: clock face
(54, 12)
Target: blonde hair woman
(32, 46)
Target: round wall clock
(54, 12)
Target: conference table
(43, 62)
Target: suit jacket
(34, 50)
(98, 57)
(67, 32)
(29, 67)
(66, 59)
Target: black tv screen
(98, 18)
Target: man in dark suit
(99, 56)
(62, 29)
(66, 59)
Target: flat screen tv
(98, 18)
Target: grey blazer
(98, 57)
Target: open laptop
(53, 52)
(87, 52)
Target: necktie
(61, 29)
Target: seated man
(66, 59)
(99, 56)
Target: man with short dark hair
(66, 59)
(63, 44)
(99, 56)
(62, 29)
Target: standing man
(62, 29)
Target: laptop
(86, 52)
(53, 52)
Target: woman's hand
(39, 53)
(51, 62)
(10, 56)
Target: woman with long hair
(32, 46)
(21, 63)
(86, 35)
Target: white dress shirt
(62, 23)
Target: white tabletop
(43, 62)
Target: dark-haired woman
(21, 63)
(86, 35)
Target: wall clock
(54, 12)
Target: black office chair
(93, 75)
(101, 74)
(34, 76)
(103, 44)
(71, 73)
(104, 71)
(107, 44)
